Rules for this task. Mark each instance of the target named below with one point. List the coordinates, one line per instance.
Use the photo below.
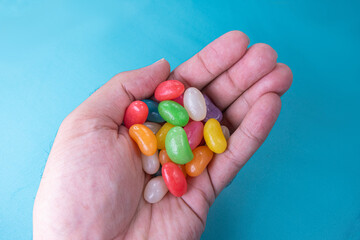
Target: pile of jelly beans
(180, 131)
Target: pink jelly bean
(179, 100)
(194, 132)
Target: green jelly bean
(173, 113)
(177, 146)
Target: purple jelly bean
(212, 111)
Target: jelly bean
(169, 89)
(155, 190)
(144, 138)
(214, 136)
(179, 100)
(174, 179)
(136, 113)
(194, 104)
(153, 115)
(194, 132)
(164, 158)
(177, 146)
(225, 131)
(151, 163)
(161, 135)
(154, 127)
(173, 113)
(212, 111)
(202, 157)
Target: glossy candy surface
(179, 139)
(153, 115)
(212, 111)
(174, 179)
(151, 163)
(144, 138)
(194, 104)
(202, 157)
(214, 136)
(136, 113)
(173, 113)
(161, 135)
(164, 158)
(225, 131)
(169, 89)
(194, 132)
(154, 127)
(155, 190)
(177, 146)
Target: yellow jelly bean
(214, 136)
(144, 138)
(161, 135)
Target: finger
(111, 100)
(258, 61)
(278, 81)
(200, 194)
(245, 140)
(211, 61)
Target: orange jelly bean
(164, 158)
(145, 139)
(202, 157)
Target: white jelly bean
(194, 103)
(151, 163)
(154, 127)
(155, 190)
(225, 131)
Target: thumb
(111, 100)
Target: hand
(92, 186)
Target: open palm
(92, 186)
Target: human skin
(93, 182)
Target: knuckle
(252, 136)
(235, 158)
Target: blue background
(304, 182)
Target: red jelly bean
(168, 90)
(194, 132)
(174, 179)
(136, 113)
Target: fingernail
(159, 60)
